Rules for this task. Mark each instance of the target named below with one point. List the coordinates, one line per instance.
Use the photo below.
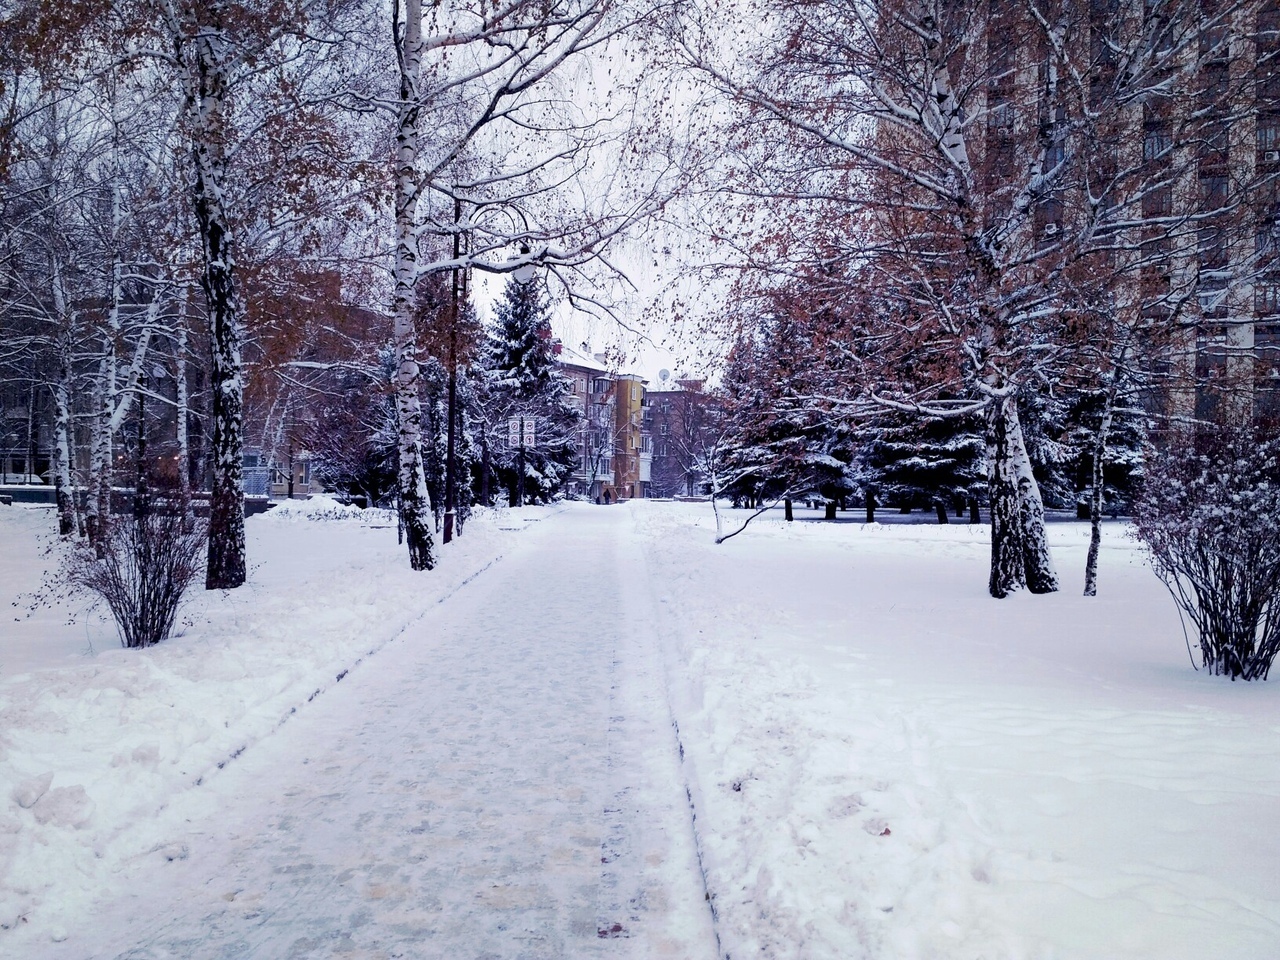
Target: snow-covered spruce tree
(351, 436)
(1122, 453)
(1210, 518)
(779, 440)
(915, 461)
(525, 381)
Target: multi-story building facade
(614, 446)
(1181, 155)
(680, 416)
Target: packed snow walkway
(500, 782)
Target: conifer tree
(781, 441)
(525, 381)
(915, 461)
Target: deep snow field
(890, 764)
(883, 762)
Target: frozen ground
(883, 763)
(888, 764)
(499, 780)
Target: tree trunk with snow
(415, 506)
(98, 494)
(182, 397)
(1019, 546)
(64, 492)
(1097, 488)
(226, 558)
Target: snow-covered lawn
(886, 763)
(95, 740)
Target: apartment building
(1188, 155)
(680, 417)
(614, 445)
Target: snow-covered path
(499, 782)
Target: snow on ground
(888, 764)
(96, 740)
(884, 762)
(500, 781)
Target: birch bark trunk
(64, 493)
(1097, 489)
(226, 558)
(1019, 546)
(98, 495)
(183, 405)
(415, 506)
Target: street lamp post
(141, 494)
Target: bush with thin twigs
(1210, 519)
(147, 563)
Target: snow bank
(885, 763)
(96, 740)
(326, 509)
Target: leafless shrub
(1210, 518)
(147, 563)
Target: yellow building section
(628, 412)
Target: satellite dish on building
(663, 375)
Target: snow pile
(96, 740)
(323, 508)
(885, 763)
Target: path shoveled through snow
(499, 782)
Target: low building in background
(614, 445)
(680, 416)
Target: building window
(635, 392)
(1157, 202)
(665, 428)
(1269, 138)
(1266, 298)
(1214, 190)
(1155, 144)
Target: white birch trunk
(1097, 488)
(64, 493)
(98, 497)
(415, 506)
(1020, 555)
(183, 403)
(207, 94)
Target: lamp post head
(526, 272)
